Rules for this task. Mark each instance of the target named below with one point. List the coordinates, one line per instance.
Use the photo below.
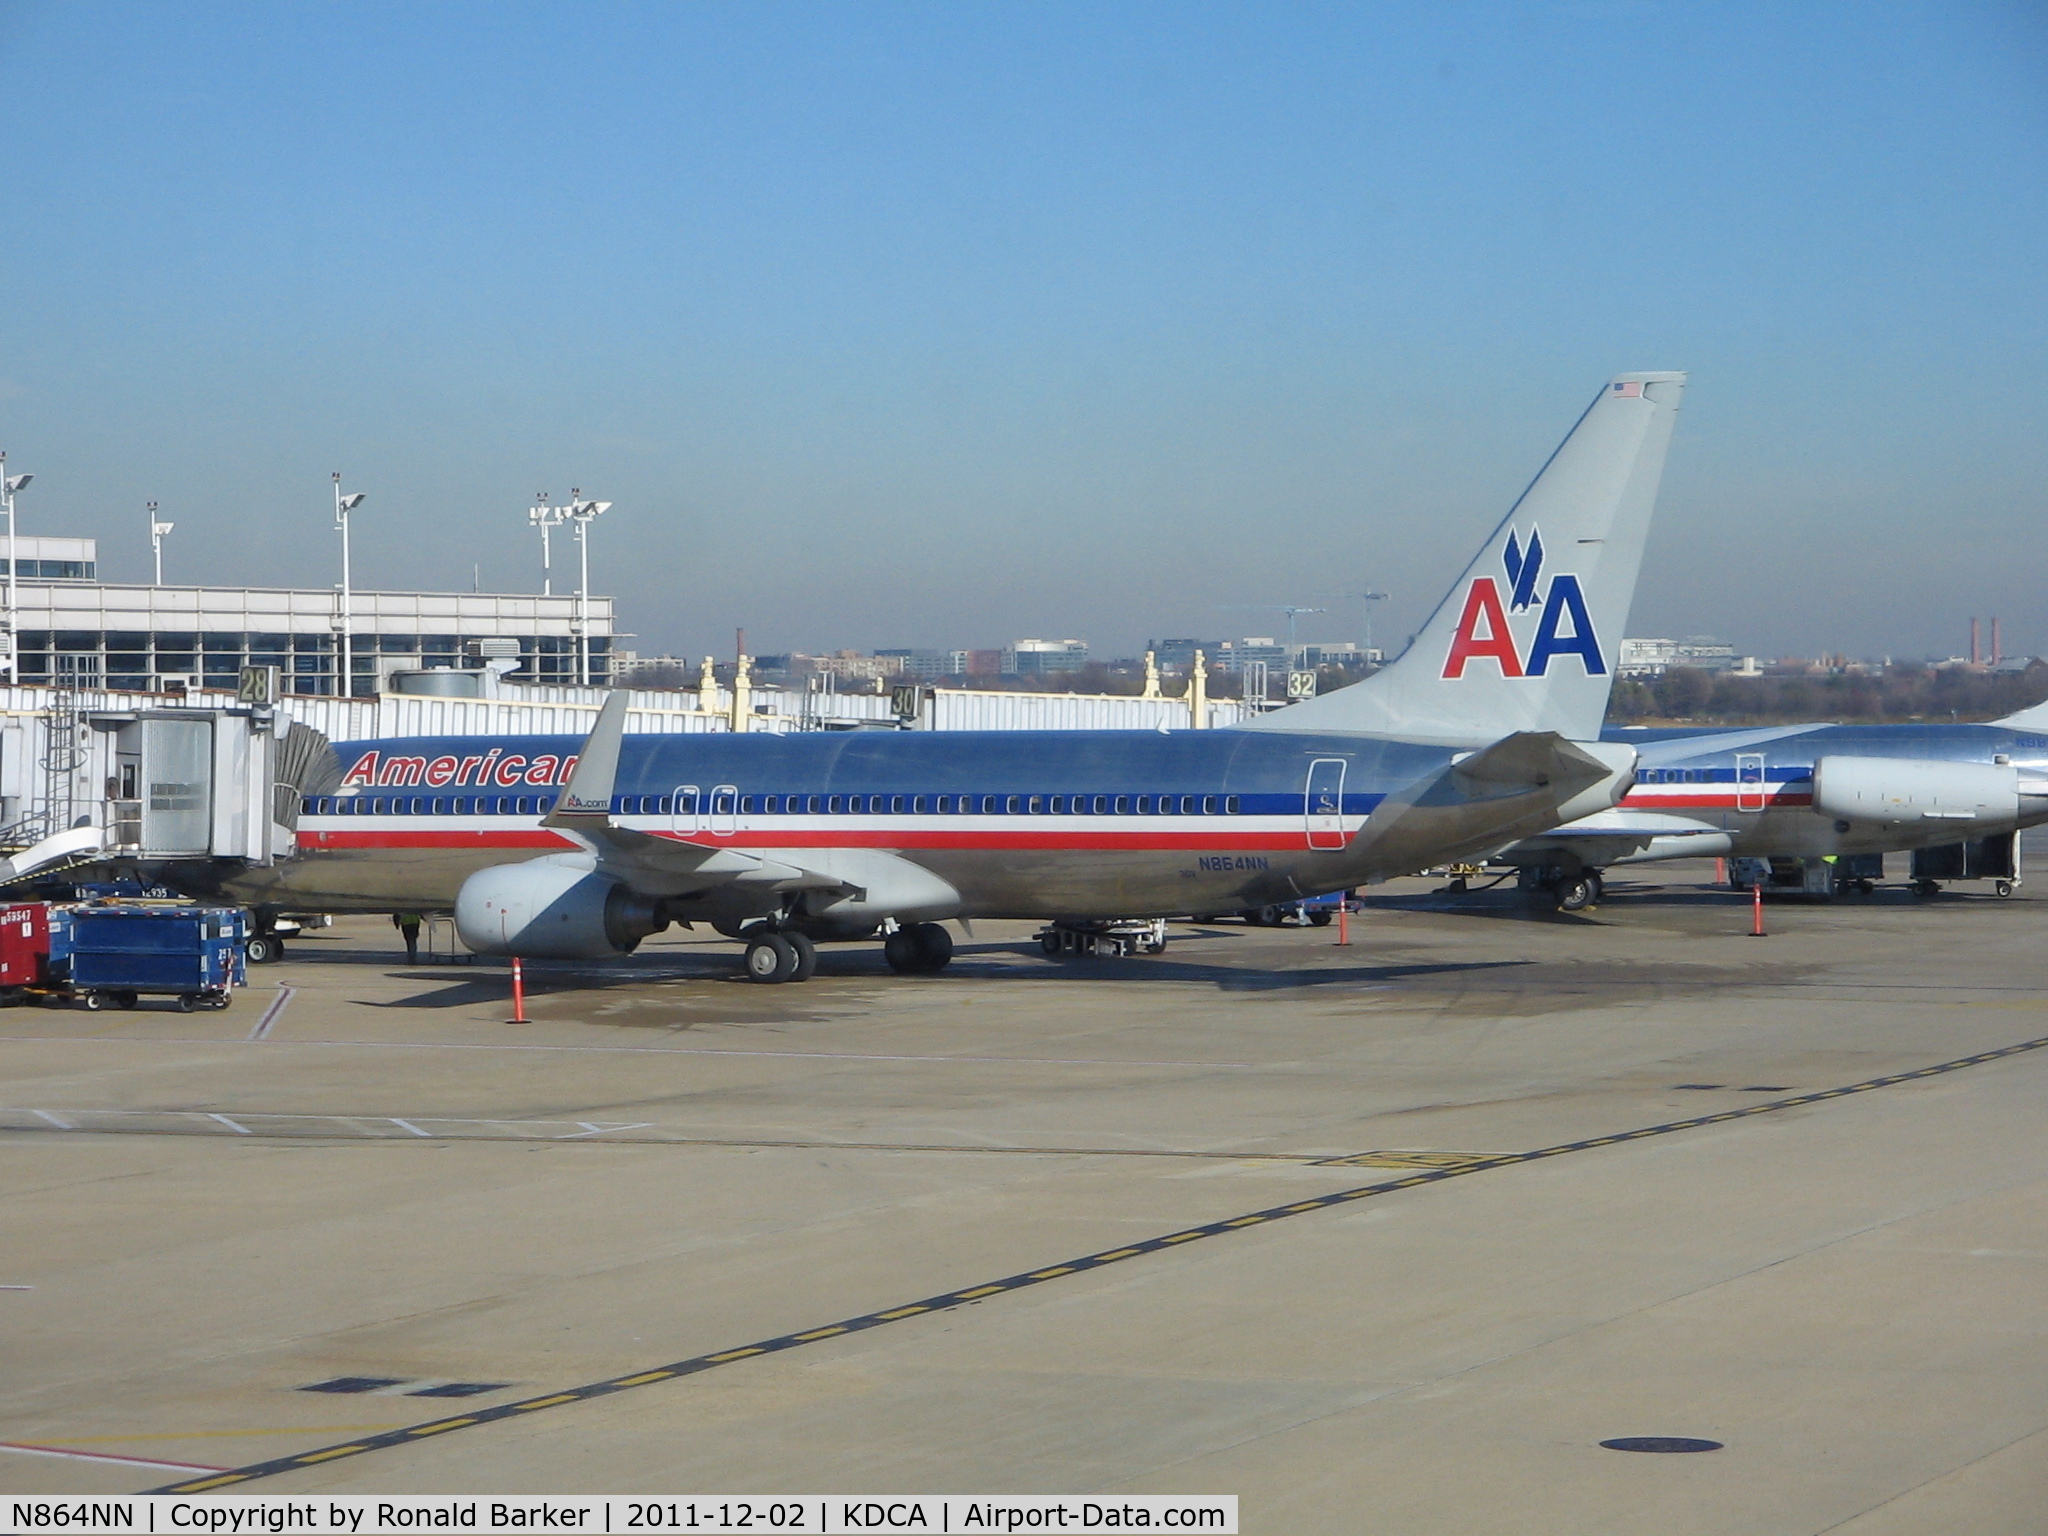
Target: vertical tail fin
(1528, 638)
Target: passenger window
(917, 805)
(1059, 805)
(834, 805)
(772, 806)
(747, 805)
(896, 805)
(1208, 805)
(1014, 804)
(462, 806)
(945, 805)
(1187, 805)
(1038, 805)
(1123, 804)
(1230, 806)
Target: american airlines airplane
(1801, 791)
(1485, 731)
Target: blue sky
(943, 325)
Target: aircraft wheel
(902, 951)
(806, 956)
(934, 946)
(262, 948)
(94, 1001)
(770, 959)
(126, 999)
(1575, 893)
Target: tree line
(1902, 692)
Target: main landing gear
(1567, 890)
(922, 949)
(777, 957)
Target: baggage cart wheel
(1320, 917)
(126, 998)
(94, 1001)
(1049, 941)
(2003, 888)
(219, 999)
(188, 1002)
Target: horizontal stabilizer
(1521, 785)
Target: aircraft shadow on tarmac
(979, 962)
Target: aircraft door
(684, 817)
(725, 810)
(1749, 781)
(1324, 803)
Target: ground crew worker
(408, 925)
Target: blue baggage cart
(115, 951)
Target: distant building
(924, 665)
(1236, 655)
(1344, 653)
(1653, 658)
(134, 636)
(1179, 655)
(982, 663)
(1044, 658)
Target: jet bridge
(155, 787)
(189, 784)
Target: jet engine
(553, 908)
(1897, 791)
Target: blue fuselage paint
(1022, 823)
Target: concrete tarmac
(363, 1174)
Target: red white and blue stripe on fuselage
(1691, 768)
(1215, 792)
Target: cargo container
(117, 951)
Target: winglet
(586, 800)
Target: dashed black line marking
(698, 1364)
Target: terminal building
(75, 629)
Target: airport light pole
(583, 513)
(343, 505)
(157, 531)
(546, 519)
(9, 484)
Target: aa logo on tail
(1563, 629)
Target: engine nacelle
(1896, 791)
(553, 908)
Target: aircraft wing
(1520, 785)
(1616, 836)
(658, 866)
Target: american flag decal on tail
(1628, 389)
